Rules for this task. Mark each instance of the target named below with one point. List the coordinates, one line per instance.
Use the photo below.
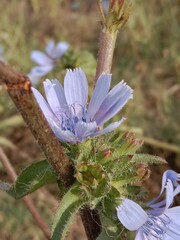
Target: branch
(27, 200)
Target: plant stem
(107, 42)
(27, 200)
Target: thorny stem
(27, 200)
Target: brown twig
(27, 200)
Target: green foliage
(30, 179)
(65, 213)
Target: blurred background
(146, 57)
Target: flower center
(156, 226)
(72, 115)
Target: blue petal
(161, 207)
(52, 120)
(131, 215)
(50, 48)
(41, 58)
(109, 128)
(169, 174)
(140, 235)
(113, 103)
(41, 70)
(76, 87)
(99, 94)
(169, 193)
(173, 229)
(55, 97)
(61, 48)
(84, 130)
(64, 136)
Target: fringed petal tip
(131, 215)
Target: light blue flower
(66, 109)
(47, 61)
(160, 221)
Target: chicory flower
(160, 221)
(67, 112)
(47, 61)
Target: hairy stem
(107, 42)
(27, 200)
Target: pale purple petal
(169, 194)
(173, 229)
(61, 48)
(50, 47)
(131, 215)
(40, 71)
(64, 136)
(99, 94)
(55, 97)
(164, 204)
(41, 58)
(109, 128)
(76, 87)
(169, 174)
(52, 120)
(113, 103)
(140, 235)
(83, 129)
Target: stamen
(156, 226)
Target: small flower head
(67, 110)
(160, 221)
(47, 61)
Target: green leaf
(65, 214)
(147, 158)
(31, 178)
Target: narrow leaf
(65, 214)
(31, 178)
(147, 158)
